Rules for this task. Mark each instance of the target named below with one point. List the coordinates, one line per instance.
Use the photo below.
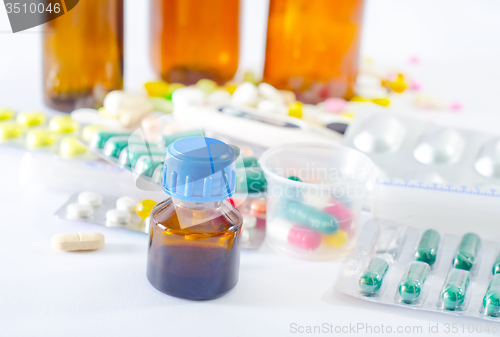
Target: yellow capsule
(295, 109)
(6, 114)
(381, 101)
(230, 88)
(157, 89)
(31, 118)
(339, 239)
(399, 85)
(144, 207)
(40, 137)
(63, 124)
(71, 147)
(206, 85)
(359, 99)
(10, 130)
(89, 131)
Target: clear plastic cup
(315, 217)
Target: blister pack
(424, 269)
(406, 148)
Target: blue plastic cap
(199, 169)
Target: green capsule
(294, 178)
(428, 247)
(146, 165)
(371, 279)
(467, 252)
(491, 301)
(253, 181)
(413, 281)
(248, 162)
(100, 138)
(115, 145)
(455, 288)
(130, 155)
(496, 266)
(167, 140)
(309, 216)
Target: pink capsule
(342, 213)
(335, 105)
(296, 235)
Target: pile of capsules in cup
(455, 287)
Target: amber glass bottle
(194, 39)
(312, 47)
(83, 55)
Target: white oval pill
(79, 211)
(249, 221)
(77, 241)
(90, 198)
(118, 216)
(126, 204)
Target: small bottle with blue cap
(194, 244)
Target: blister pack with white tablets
(406, 148)
(34, 130)
(424, 269)
(111, 211)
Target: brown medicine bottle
(83, 55)
(312, 47)
(195, 39)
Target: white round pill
(245, 94)
(249, 221)
(79, 211)
(268, 92)
(126, 204)
(118, 216)
(90, 198)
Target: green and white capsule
(496, 266)
(491, 301)
(467, 252)
(455, 289)
(372, 278)
(428, 247)
(413, 281)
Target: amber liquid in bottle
(196, 262)
(195, 39)
(312, 47)
(83, 55)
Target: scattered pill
(90, 198)
(6, 114)
(63, 124)
(270, 93)
(77, 241)
(455, 289)
(258, 207)
(89, 131)
(288, 96)
(245, 94)
(117, 216)
(491, 300)
(231, 88)
(188, 96)
(295, 109)
(206, 85)
(337, 240)
(113, 102)
(335, 105)
(79, 211)
(399, 85)
(157, 88)
(40, 138)
(428, 247)
(70, 146)
(371, 279)
(31, 118)
(219, 97)
(9, 130)
(467, 252)
(274, 107)
(144, 208)
(172, 88)
(161, 104)
(126, 204)
(413, 281)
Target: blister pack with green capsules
(424, 269)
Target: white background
(105, 293)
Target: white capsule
(113, 101)
(187, 96)
(272, 107)
(126, 204)
(268, 92)
(278, 229)
(219, 97)
(77, 241)
(79, 211)
(90, 198)
(116, 216)
(249, 221)
(245, 94)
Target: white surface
(106, 293)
